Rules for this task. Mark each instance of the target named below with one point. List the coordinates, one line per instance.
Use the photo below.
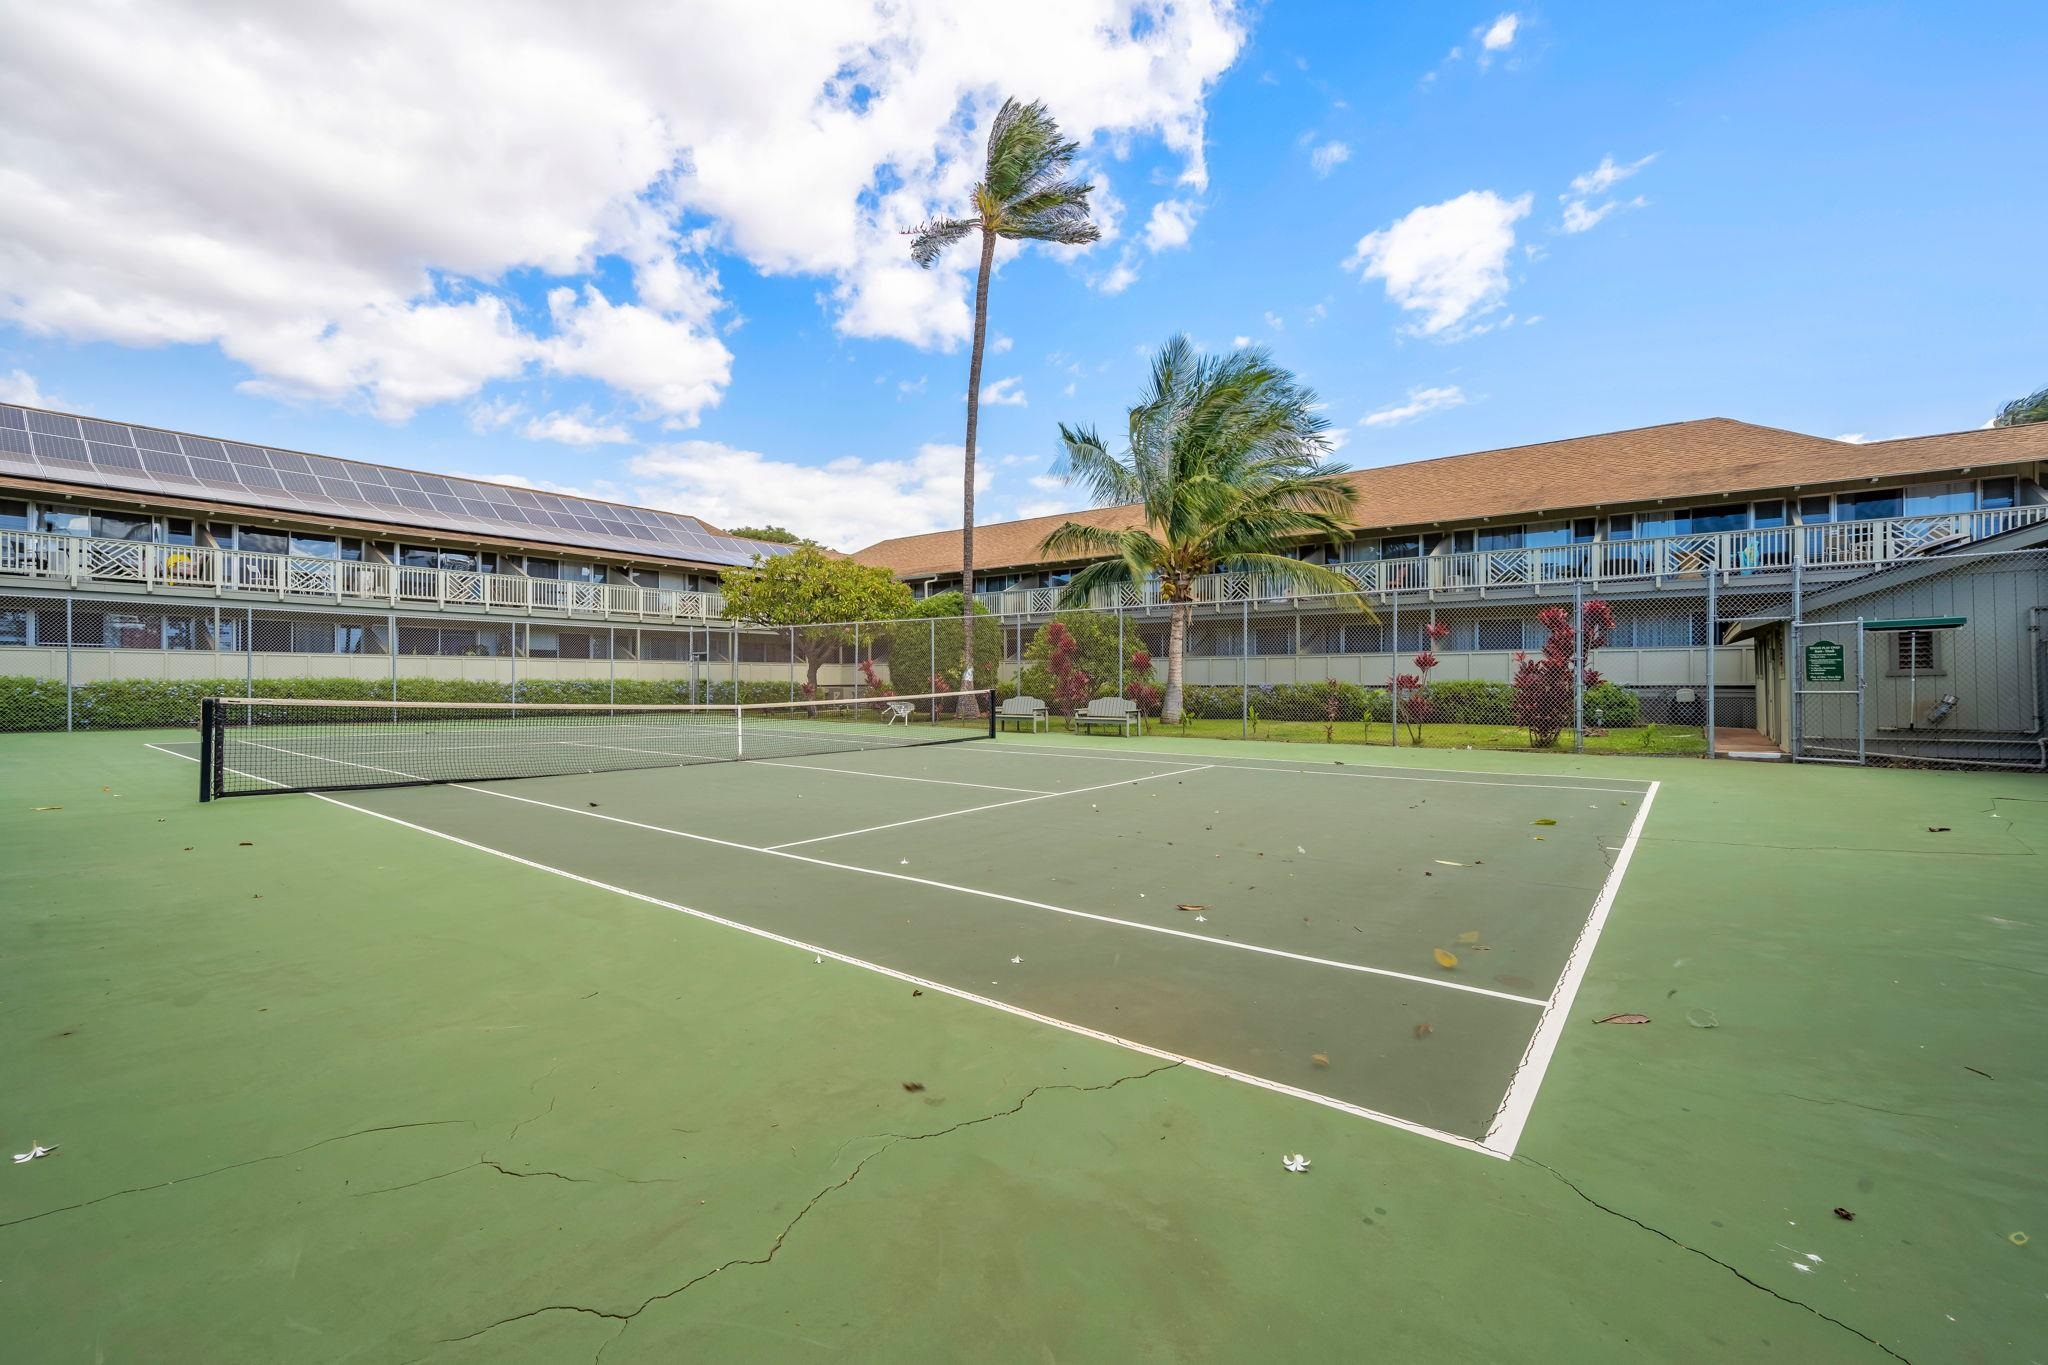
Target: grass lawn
(1639, 739)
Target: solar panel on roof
(119, 457)
(14, 418)
(155, 440)
(107, 432)
(14, 440)
(167, 465)
(61, 449)
(52, 424)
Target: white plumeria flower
(35, 1150)
(1201, 919)
(1015, 961)
(1296, 1163)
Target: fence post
(1713, 642)
(856, 663)
(732, 659)
(248, 651)
(792, 663)
(1578, 668)
(1393, 683)
(932, 636)
(68, 684)
(1795, 670)
(391, 648)
(1861, 756)
(1244, 671)
(612, 650)
(513, 656)
(1121, 686)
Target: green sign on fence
(1825, 662)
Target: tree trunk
(1176, 655)
(968, 702)
(813, 659)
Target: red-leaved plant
(1543, 684)
(1411, 690)
(1138, 684)
(1070, 684)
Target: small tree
(932, 624)
(1544, 684)
(1138, 684)
(2022, 411)
(871, 681)
(1411, 690)
(775, 534)
(1093, 634)
(817, 597)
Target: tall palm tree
(1024, 195)
(1225, 457)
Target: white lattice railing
(1732, 555)
(196, 569)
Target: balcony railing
(1734, 557)
(80, 561)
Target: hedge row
(156, 703)
(1459, 702)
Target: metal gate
(1825, 670)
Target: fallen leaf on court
(1446, 862)
(248, 844)
(1191, 908)
(1515, 983)
(593, 805)
(915, 994)
(1937, 829)
(1424, 1029)
(1702, 1018)
(49, 808)
(1201, 919)
(1320, 1058)
(1624, 1019)
(1845, 1215)
(2018, 1239)
(35, 1150)
(1016, 961)
(913, 1086)
(818, 960)
(1469, 936)
(1537, 837)
(1445, 958)
(1298, 1163)
(1299, 849)
(1543, 822)
(1985, 1074)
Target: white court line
(1515, 1106)
(961, 890)
(1318, 771)
(1204, 939)
(898, 777)
(993, 805)
(1215, 1069)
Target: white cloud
(911, 387)
(1171, 224)
(1240, 342)
(1420, 401)
(1275, 321)
(1447, 262)
(1004, 393)
(1120, 277)
(846, 503)
(494, 414)
(336, 197)
(575, 429)
(1000, 344)
(1068, 391)
(1500, 35)
(670, 363)
(1580, 213)
(1329, 156)
(1854, 438)
(19, 386)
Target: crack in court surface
(1569, 1184)
(625, 1319)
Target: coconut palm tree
(1024, 195)
(1225, 459)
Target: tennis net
(251, 746)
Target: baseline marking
(994, 805)
(1515, 1107)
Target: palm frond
(1300, 575)
(1083, 457)
(930, 239)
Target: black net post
(209, 747)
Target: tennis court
(1402, 946)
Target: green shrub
(1472, 702)
(31, 704)
(1613, 707)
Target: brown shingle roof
(1680, 460)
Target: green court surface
(914, 1054)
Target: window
(1710, 520)
(59, 521)
(1400, 547)
(1934, 499)
(1621, 527)
(262, 542)
(1869, 505)
(1501, 538)
(1463, 541)
(314, 547)
(1991, 493)
(1545, 533)
(1583, 530)
(14, 627)
(115, 526)
(13, 515)
(1500, 634)
(1764, 515)
(1914, 651)
(1816, 509)
(177, 531)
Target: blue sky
(663, 262)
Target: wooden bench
(1026, 711)
(1105, 712)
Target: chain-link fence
(1936, 659)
